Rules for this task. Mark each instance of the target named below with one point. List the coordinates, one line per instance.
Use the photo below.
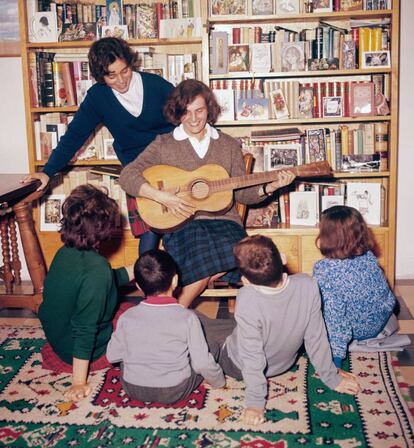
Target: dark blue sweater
(131, 134)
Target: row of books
(261, 49)
(303, 98)
(302, 203)
(286, 7)
(50, 128)
(136, 19)
(62, 79)
(355, 148)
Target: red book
(345, 96)
(159, 14)
(337, 5)
(236, 35)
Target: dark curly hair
(259, 260)
(154, 272)
(343, 233)
(105, 52)
(88, 217)
(184, 94)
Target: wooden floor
(404, 292)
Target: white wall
(13, 153)
(405, 209)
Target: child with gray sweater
(275, 314)
(159, 343)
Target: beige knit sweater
(165, 150)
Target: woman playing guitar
(203, 246)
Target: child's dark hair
(154, 272)
(259, 260)
(105, 52)
(88, 217)
(343, 233)
(184, 94)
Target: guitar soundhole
(199, 189)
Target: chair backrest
(242, 208)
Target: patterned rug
(301, 411)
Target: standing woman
(129, 103)
(203, 247)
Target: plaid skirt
(203, 248)
(138, 226)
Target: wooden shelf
(312, 17)
(301, 74)
(133, 42)
(303, 121)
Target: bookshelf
(250, 82)
(298, 242)
(123, 248)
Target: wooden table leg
(15, 260)
(31, 247)
(5, 249)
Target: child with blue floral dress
(357, 301)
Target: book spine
(34, 96)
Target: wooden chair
(219, 288)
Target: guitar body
(209, 188)
(192, 186)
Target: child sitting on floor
(275, 314)
(160, 344)
(357, 302)
(80, 296)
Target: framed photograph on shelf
(303, 208)
(322, 5)
(365, 197)
(376, 59)
(351, 5)
(43, 27)
(228, 8)
(78, 31)
(332, 106)
(279, 106)
(252, 109)
(9, 29)
(293, 56)
(238, 58)
(219, 52)
(225, 99)
(286, 7)
(114, 12)
(51, 212)
(361, 99)
(263, 216)
(349, 54)
(279, 156)
(119, 31)
(108, 149)
(262, 7)
(305, 101)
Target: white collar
(180, 134)
(272, 290)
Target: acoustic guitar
(208, 188)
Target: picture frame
(305, 101)
(219, 52)
(361, 99)
(108, 149)
(332, 106)
(252, 109)
(238, 58)
(366, 198)
(376, 59)
(219, 8)
(293, 56)
(43, 27)
(262, 7)
(82, 31)
(9, 29)
(114, 13)
(322, 6)
(351, 5)
(51, 212)
(316, 146)
(279, 156)
(303, 208)
(349, 54)
(180, 28)
(279, 106)
(287, 7)
(225, 99)
(119, 31)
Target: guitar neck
(315, 169)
